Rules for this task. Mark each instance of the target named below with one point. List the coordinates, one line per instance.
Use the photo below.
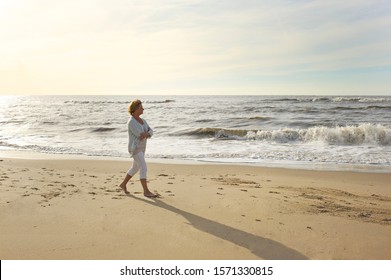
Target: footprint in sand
(170, 193)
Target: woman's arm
(135, 128)
(150, 131)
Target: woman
(139, 131)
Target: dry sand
(73, 209)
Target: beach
(72, 208)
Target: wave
(378, 107)
(361, 99)
(93, 130)
(216, 132)
(288, 99)
(204, 120)
(370, 107)
(364, 134)
(95, 102)
(44, 149)
(336, 99)
(103, 129)
(50, 123)
(114, 102)
(255, 118)
(260, 118)
(160, 102)
(320, 99)
(348, 135)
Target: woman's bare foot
(123, 187)
(150, 195)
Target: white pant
(139, 164)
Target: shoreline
(73, 209)
(289, 166)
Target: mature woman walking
(139, 131)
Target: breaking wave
(364, 134)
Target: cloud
(119, 46)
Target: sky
(320, 47)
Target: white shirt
(135, 145)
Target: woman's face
(139, 109)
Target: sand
(74, 209)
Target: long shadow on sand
(262, 247)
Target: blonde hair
(133, 106)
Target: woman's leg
(124, 182)
(130, 174)
(143, 174)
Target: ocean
(311, 132)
